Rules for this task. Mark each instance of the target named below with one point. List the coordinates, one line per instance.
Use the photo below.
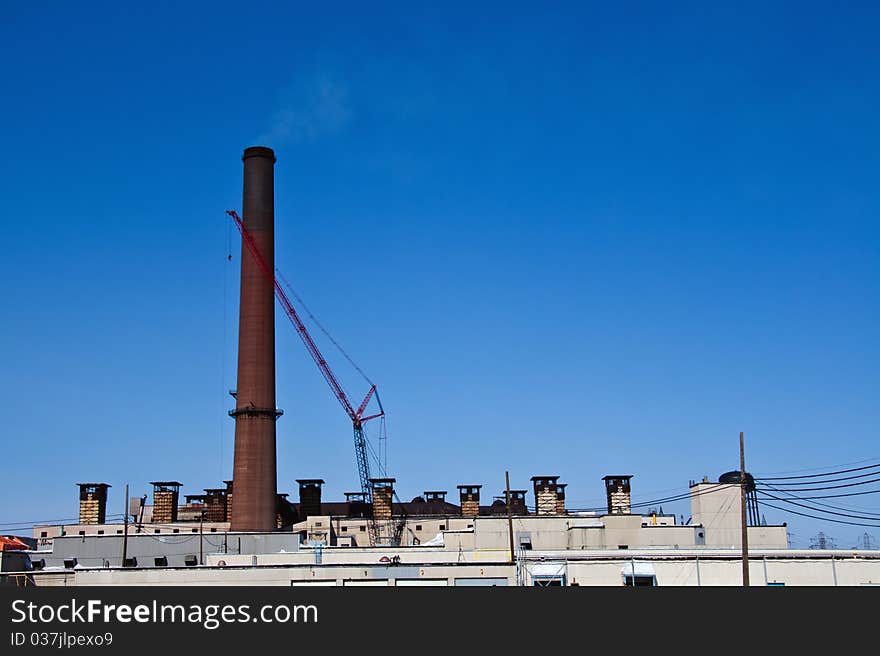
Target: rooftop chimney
(216, 504)
(284, 511)
(255, 414)
(383, 497)
(517, 502)
(228, 499)
(545, 494)
(357, 504)
(617, 491)
(165, 496)
(309, 497)
(469, 495)
(560, 498)
(92, 503)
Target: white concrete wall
(681, 568)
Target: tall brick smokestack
(254, 472)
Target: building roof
(12, 543)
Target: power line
(321, 327)
(830, 480)
(810, 507)
(812, 469)
(681, 497)
(830, 496)
(832, 473)
(827, 496)
(823, 519)
(49, 522)
(835, 487)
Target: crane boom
(356, 416)
(302, 331)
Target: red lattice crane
(355, 415)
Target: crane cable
(321, 327)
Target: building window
(363, 528)
(156, 530)
(317, 523)
(177, 530)
(623, 546)
(344, 529)
(119, 531)
(442, 527)
(213, 530)
(195, 530)
(640, 580)
(44, 534)
(418, 527)
(82, 532)
(100, 532)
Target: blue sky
(575, 240)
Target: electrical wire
(49, 522)
(830, 480)
(812, 498)
(834, 487)
(811, 507)
(321, 327)
(812, 469)
(824, 519)
(832, 473)
(681, 497)
(835, 496)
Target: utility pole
(745, 526)
(125, 533)
(509, 514)
(201, 533)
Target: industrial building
(246, 532)
(463, 544)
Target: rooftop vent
(617, 490)
(545, 494)
(165, 496)
(469, 495)
(92, 503)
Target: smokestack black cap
(258, 151)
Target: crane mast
(355, 415)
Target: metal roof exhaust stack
(617, 490)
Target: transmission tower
(866, 541)
(822, 541)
